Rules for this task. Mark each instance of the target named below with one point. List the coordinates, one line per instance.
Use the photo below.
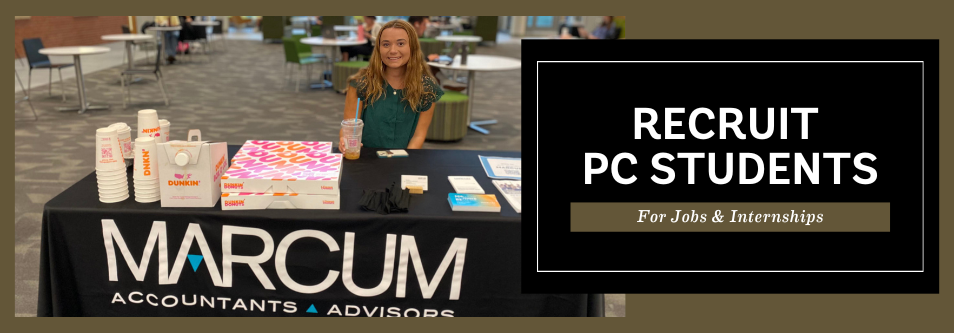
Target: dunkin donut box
(189, 171)
(244, 201)
(284, 167)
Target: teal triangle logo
(195, 260)
(311, 309)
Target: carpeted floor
(235, 95)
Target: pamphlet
(511, 191)
(501, 167)
(413, 181)
(461, 202)
(465, 184)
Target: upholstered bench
(343, 70)
(450, 117)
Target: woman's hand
(432, 57)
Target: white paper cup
(164, 129)
(111, 183)
(109, 155)
(146, 166)
(111, 200)
(113, 194)
(123, 130)
(111, 174)
(146, 200)
(148, 124)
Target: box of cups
(283, 175)
(190, 171)
(111, 178)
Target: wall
(67, 30)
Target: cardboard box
(245, 201)
(284, 167)
(189, 171)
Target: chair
(450, 117)
(41, 61)
(156, 71)
(342, 71)
(293, 56)
(134, 44)
(26, 98)
(273, 28)
(486, 28)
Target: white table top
(321, 41)
(459, 38)
(175, 28)
(73, 50)
(204, 23)
(346, 28)
(129, 37)
(482, 63)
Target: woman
(397, 91)
(170, 38)
(371, 29)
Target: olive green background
(624, 216)
(698, 19)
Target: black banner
(791, 121)
(133, 259)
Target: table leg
(324, 84)
(82, 91)
(129, 61)
(475, 125)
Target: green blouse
(389, 123)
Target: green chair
(621, 25)
(486, 28)
(316, 31)
(450, 117)
(293, 56)
(342, 71)
(273, 28)
(431, 46)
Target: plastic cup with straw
(352, 131)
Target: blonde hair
(369, 78)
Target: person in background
(371, 29)
(190, 32)
(170, 38)
(397, 91)
(420, 24)
(606, 30)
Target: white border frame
(743, 271)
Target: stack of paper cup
(164, 129)
(125, 141)
(149, 125)
(146, 171)
(110, 167)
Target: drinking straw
(356, 109)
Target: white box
(284, 167)
(189, 172)
(246, 201)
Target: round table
(336, 45)
(129, 39)
(479, 63)
(76, 52)
(159, 31)
(460, 39)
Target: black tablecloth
(78, 277)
